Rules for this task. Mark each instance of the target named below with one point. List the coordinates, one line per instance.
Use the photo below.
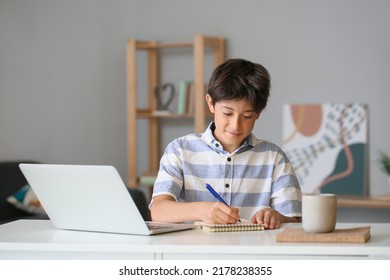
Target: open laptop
(90, 198)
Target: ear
(210, 103)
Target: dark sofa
(12, 179)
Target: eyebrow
(247, 111)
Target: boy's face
(234, 121)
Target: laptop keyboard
(154, 227)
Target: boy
(254, 177)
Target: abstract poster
(327, 145)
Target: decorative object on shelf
(185, 99)
(327, 145)
(148, 178)
(384, 161)
(159, 92)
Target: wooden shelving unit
(152, 49)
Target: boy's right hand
(165, 209)
(218, 213)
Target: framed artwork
(327, 145)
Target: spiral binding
(234, 227)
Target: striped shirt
(256, 175)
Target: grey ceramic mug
(319, 212)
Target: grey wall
(62, 80)
(62, 67)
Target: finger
(227, 214)
(235, 214)
(254, 219)
(267, 218)
(272, 222)
(260, 217)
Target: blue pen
(216, 195)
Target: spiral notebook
(244, 225)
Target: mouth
(234, 134)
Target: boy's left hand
(270, 218)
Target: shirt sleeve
(169, 179)
(286, 195)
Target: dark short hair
(240, 79)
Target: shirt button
(217, 145)
(227, 186)
(229, 159)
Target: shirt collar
(209, 138)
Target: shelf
(373, 202)
(212, 42)
(156, 45)
(145, 113)
(152, 49)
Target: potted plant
(384, 161)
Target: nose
(236, 123)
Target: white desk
(38, 239)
